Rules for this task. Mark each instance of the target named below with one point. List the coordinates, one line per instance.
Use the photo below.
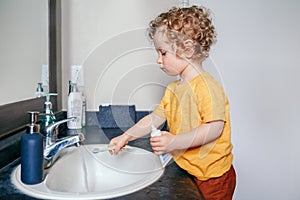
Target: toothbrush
(107, 148)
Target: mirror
(24, 48)
(13, 116)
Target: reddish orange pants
(221, 188)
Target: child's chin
(169, 73)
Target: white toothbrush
(106, 148)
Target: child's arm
(140, 129)
(200, 136)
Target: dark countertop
(175, 183)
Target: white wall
(108, 38)
(256, 55)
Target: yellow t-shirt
(187, 106)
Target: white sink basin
(81, 174)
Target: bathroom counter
(175, 183)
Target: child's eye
(163, 53)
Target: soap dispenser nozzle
(33, 127)
(39, 90)
(48, 104)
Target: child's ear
(189, 48)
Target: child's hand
(163, 144)
(118, 143)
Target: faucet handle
(53, 126)
(51, 134)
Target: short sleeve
(163, 108)
(212, 102)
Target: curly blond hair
(181, 24)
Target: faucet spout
(54, 145)
(51, 153)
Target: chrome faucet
(54, 145)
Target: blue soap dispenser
(32, 152)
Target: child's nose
(159, 60)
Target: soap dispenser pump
(32, 152)
(39, 90)
(50, 117)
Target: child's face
(171, 63)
